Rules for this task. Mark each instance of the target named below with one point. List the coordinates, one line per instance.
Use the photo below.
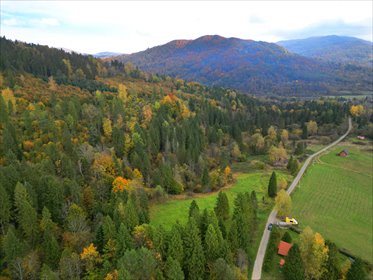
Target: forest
(87, 146)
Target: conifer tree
(194, 211)
(194, 258)
(26, 215)
(4, 208)
(293, 268)
(212, 248)
(49, 243)
(175, 246)
(233, 237)
(173, 270)
(272, 185)
(131, 215)
(124, 240)
(357, 270)
(205, 177)
(222, 206)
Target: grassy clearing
(335, 198)
(166, 214)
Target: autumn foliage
(119, 184)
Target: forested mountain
(340, 49)
(105, 54)
(250, 66)
(79, 167)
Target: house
(360, 137)
(343, 153)
(283, 248)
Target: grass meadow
(335, 198)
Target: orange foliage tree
(120, 184)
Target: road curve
(257, 271)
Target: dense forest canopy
(86, 146)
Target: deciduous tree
(283, 203)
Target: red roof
(282, 262)
(283, 248)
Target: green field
(166, 214)
(335, 199)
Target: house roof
(282, 262)
(283, 248)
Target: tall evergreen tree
(4, 208)
(131, 215)
(293, 268)
(173, 270)
(272, 185)
(222, 206)
(357, 270)
(212, 248)
(13, 249)
(124, 241)
(194, 211)
(26, 215)
(49, 242)
(194, 259)
(175, 246)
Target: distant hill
(105, 54)
(333, 48)
(247, 65)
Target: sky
(127, 27)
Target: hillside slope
(250, 66)
(333, 48)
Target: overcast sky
(127, 27)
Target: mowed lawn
(335, 198)
(166, 214)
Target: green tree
(4, 208)
(283, 203)
(222, 271)
(212, 248)
(357, 270)
(194, 211)
(26, 214)
(332, 264)
(140, 264)
(13, 249)
(173, 270)
(131, 215)
(175, 246)
(286, 237)
(293, 268)
(194, 259)
(124, 240)
(49, 242)
(222, 206)
(47, 273)
(272, 185)
(205, 177)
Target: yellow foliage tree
(277, 154)
(120, 184)
(112, 275)
(122, 92)
(8, 95)
(147, 113)
(284, 136)
(283, 203)
(106, 125)
(314, 253)
(104, 163)
(89, 252)
(356, 110)
(312, 127)
(272, 134)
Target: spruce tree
(194, 211)
(290, 162)
(4, 208)
(194, 259)
(175, 246)
(222, 206)
(212, 248)
(124, 241)
(131, 215)
(49, 242)
(286, 237)
(272, 185)
(357, 270)
(293, 268)
(26, 215)
(173, 270)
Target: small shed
(283, 248)
(282, 262)
(343, 153)
(361, 137)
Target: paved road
(257, 271)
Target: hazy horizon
(127, 27)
